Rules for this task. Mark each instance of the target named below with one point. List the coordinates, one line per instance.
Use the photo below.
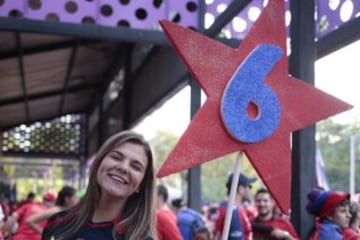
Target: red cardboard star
(213, 65)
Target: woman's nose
(123, 166)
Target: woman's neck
(108, 209)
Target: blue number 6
(246, 89)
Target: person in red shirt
(29, 199)
(267, 225)
(166, 222)
(240, 227)
(26, 210)
(66, 199)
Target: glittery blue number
(247, 87)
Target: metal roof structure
(109, 60)
(57, 57)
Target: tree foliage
(38, 175)
(162, 144)
(213, 173)
(333, 140)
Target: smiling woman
(122, 170)
(118, 203)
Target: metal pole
(194, 174)
(352, 166)
(302, 58)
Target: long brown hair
(139, 211)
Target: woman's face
(122, 170)
(71, 201)
(341, 215)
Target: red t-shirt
(220, 220)
(166, 225)
(350, 234)
(275, 222)
(24, 231)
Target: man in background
(240, 227)
(267, 225)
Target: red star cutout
(213, 65)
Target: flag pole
(233, 189)
(352, 166)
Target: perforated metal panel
(140, 14)
(63, 137)
(135, 13)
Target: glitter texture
(246, 86)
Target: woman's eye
(116, 157)
(137, 167)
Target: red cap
(332, 201)
(322, 203)
(49, 196)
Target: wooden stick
(233, 189)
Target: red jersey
(166, 225)
(251, 212)
(262, 229)
(220, 220)
(350, 234)
(24, 231)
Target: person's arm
(33, 220)
(219, 222)
(274, 232)
(288, 227)
(261, 228)
(281, 234)
(2, 218)
(11, 220)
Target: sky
(337, 74)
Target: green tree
(213, 173)
(333, 140)
(162, 144)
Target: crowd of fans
(26, 220)
(257, 217)
(254, 217)
(119, 203)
